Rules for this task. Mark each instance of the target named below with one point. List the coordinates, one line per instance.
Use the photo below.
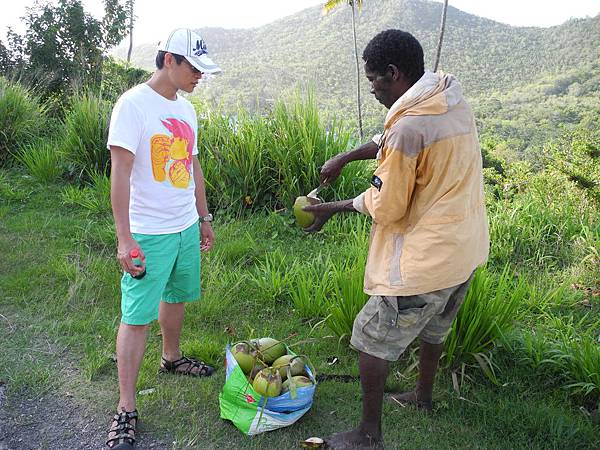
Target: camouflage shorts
(387, 325)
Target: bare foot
(411, 398)
(355, 440)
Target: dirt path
(56, 422)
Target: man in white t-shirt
(158, 200)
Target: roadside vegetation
(521, 368)
(521, 363)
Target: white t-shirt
(161, 133)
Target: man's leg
(429, 357)
(131, 343)
(373, 373)
(170, 318)
(431, 347)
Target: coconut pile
(270, 368)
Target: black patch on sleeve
(376, 182)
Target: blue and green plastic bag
(252, 413)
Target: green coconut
(269, 349)
(267, 382)
(299, 381)
(305, 219)
(296, 364)
(245, 355)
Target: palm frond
(332, 4)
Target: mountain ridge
(261, 63)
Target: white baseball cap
(189, 44)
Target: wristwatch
(207, 218)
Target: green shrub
(577, 155)
(42, 159)
(86, 133)
(538, 224)
(22, 118)
(118, 78)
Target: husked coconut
(312, 442)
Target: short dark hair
(160, 59)
(396, 47)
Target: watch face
(207, 218)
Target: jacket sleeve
(388, 199)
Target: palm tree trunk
(442, 27)
(130, 31)
(358, 103)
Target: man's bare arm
(333, 167)
(120, 173)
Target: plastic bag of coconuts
(267, 386)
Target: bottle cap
(134, 253)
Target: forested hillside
(496, 63)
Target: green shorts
(387, 325)
(172, 275)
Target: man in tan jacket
(429, 229)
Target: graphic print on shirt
(172, 155)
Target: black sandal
(194, 368)
(124, 439)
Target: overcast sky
(156, 16)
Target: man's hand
(324, 211)
(123, 250)
(207, 236)
(332, 169)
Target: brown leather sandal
(186, 366)
(123, 429)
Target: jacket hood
(432, 94)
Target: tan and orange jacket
(430, 228)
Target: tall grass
(86, 132)
(311, 287)
(271, 276)
(42, 159)
(233, 153)
(566, 351)
(348, 296)
(487, 313)
(265, 161)
(22, 118)
(301, 142)
(94, 197)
